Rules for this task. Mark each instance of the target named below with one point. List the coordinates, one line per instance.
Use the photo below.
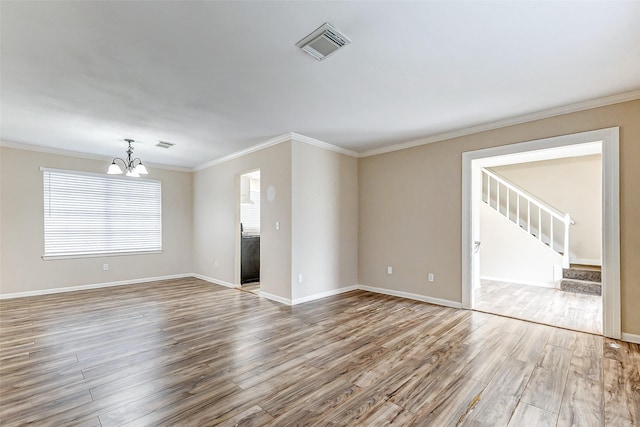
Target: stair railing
(523, 218)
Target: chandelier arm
(121, 159)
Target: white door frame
(610, 214)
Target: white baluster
(539, 223)
(565, 255)
(489, 190)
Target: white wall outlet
(430, 278)
(215, 263)
(105, 267)
(277, 225)
(299, 278)
(389, 270)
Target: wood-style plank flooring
(549, 306)
(188, 353)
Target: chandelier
(132, 167)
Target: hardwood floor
(251, 287)
(554, 307)
(188, 353)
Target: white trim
(631, 338)
(275, 298)
(543, 114)
(611, 321)
(214, 281)
(423, 298)
(518, 282)
(321, 295)
(587, 261)
(79, 155)
(261, 146)
(93, 286)
(289, 136)
(322, 144)
(610, 218)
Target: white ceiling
(218, 77)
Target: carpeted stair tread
(591, 275)
(581, 286)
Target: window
(91, 214)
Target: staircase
(582, 279)
(540, 220)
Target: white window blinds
(87, 214)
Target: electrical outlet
(299, 278)
(215, 263)
(389, 270)
(277, 225)
(105, 267)
(430, 277)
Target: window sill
(100, 255)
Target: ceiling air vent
(323, 42)
(165, 144)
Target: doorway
(540, 234)
(250, 231)
(472, 164)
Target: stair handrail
(565, 218)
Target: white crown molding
(516, 120)
(79, 155)
(322, 144)
(289, 136)
(261, 146)
(49, 150)
(543, 114)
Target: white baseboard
(401, 294)
(586, 261)
(631, 338)
(214, 281)
(518, 282)
(275, 298)
(92, 286)
(324, 294)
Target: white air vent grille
(165, 144)
(323, 42)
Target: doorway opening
(540, 237)
(474, 190)
(250, 231)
